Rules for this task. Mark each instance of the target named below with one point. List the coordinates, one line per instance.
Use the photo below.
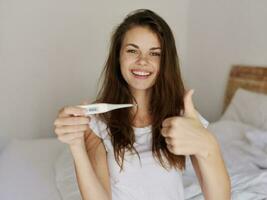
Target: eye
(131, 51)
(155, 53)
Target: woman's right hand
(71, 125)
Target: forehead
(141, 36)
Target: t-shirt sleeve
(98, 126)
(204, 122)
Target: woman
(139, 152)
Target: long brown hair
(166, 96)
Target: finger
(168, 122)
(168, 140)
(165, 132)
(67, 138)
(71, 129)
(72, 110)
(71, 121)
(189, 109)
(170, 148)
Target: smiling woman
(141, 150)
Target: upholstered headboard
(251, 78)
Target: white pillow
(249, 108)
(26, 169)
(228, 130)
(65, 176)
(257, 138)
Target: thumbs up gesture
(185, 135)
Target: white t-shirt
(145, 180)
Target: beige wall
(52, 52)
(222, 33)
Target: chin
(140, 88)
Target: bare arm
(91, 168)
(212, 174)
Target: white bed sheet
(245, 159)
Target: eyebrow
(134, 45)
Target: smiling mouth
(141, 73)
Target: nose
(142, 60)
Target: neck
(142, 115)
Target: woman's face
(140, 58)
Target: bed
(41, 169)
(242, 134)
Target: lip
(141, 70)
(140, 76)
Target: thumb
(189, 109)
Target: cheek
(156, 65)
(124, 61)
(123, 70)
(123, 66)
(156, 72)
(125, 58)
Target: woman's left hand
(185, 135)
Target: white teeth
(141, 73)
